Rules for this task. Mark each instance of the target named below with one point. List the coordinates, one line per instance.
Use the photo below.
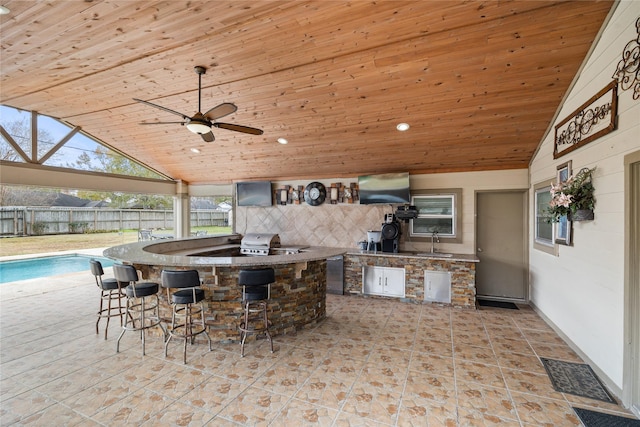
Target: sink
(435, 255)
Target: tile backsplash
(341, 225)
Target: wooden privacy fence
(28, 221)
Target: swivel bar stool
(256, 289)
(185, 307)
(110, 291)
(137, 305)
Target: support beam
(181, 211)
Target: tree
(108, 161)
(20, 131)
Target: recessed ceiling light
(402, 127)
(195, 150)
(283, 141)
(4, 10)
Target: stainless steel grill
(259, 243)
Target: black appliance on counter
(406, 213)
(390, 234)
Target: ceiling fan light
(199, 128)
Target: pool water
(32, 268)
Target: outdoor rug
(598, 419)
(499, 304)
(576, 378)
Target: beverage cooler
(335, 275)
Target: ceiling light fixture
(4, 10)
(198, 127)
(195, 150)
(283, 141)
(402, 127)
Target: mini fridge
(335, 275)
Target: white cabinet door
(394, 281)
(437, 286)
(384, 281)
(372, 279)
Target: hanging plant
(572, 197)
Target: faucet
(434, 238)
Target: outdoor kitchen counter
(298, 296)
(416, 265)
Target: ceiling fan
(202, 123)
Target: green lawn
(66, 242)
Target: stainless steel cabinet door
(385, 281)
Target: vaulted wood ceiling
(478, 81)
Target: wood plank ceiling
(478, 81)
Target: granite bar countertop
(183, 253)
(421, 255)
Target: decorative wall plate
(315, 193)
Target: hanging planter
(573, 198)
(581, 215)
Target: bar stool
(184, 302)
(256, 290)
(110, 291)
(137, 306)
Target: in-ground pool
(32, 268)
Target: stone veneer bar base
(463, 274)
(298, 297)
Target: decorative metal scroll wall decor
(628, 70)
(591, 120)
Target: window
(61, 145)
(543, 227)
(437, 212)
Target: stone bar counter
(298, 297)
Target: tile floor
(372, 362)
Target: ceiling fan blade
(161, 123)
(208, 137)
(220, 111)
(239, 128)
(161, 107)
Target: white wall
(582, 289)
